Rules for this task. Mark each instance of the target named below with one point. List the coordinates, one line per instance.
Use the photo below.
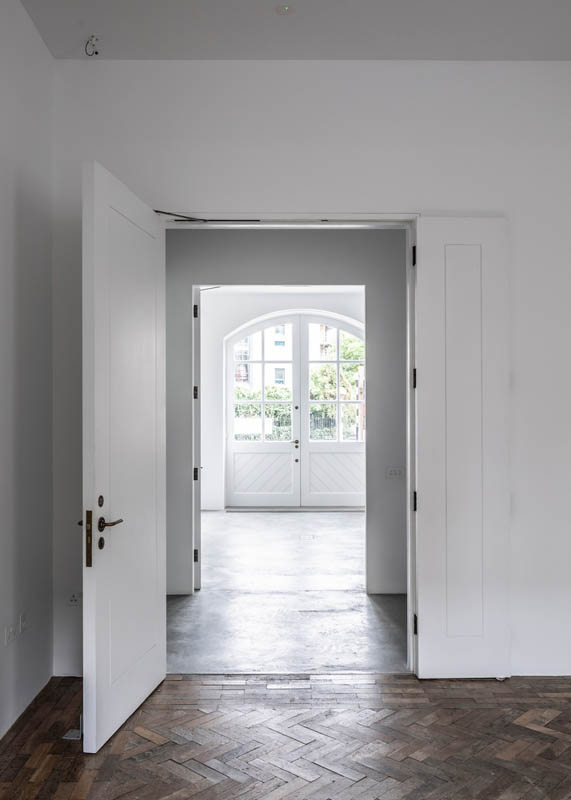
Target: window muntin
(247, 382)
(278, 342)
(322, 339)
(323, 422)
(248, 422)
(336, 377)
(263, 384)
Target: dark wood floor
(304, 736)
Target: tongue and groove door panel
(462, 517)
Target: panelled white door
(124, 444)
(462, 518)
(296, 414)
(333, 413)
(263, 416)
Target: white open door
(462, 517)
(124, 591)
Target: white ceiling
(315, 29)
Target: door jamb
(324, 221)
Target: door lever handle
(102, 524)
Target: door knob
(102, 524)
(296, 441)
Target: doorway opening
(281, 590)
(281, 418)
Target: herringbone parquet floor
(341, 736)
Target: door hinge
(414, 378)
(415, 625)
(195, 311)
(195, 393)
(414, 255)
(196, 473)
(414, 501)
(196, 556)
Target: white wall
(223, 311)
(26, 96)
(349, 136)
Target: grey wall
(26, 75)
(375, 259)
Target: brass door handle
(102, 524)
(296, 441)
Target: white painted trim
(280, 220)
(253, 323)
(412, 640)
(196, 532)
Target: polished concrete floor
(284, 592)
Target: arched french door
(295, 419)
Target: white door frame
(324, 221)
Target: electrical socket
(10, 633)
(75, 599)
(395, 472)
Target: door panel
(263, 473)
(336, 472)
(124, 590)
(263, 415)
(462, 520)
(332, 413)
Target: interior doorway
(283, 429)
(462, 403)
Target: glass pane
(248, 422)
(278, 342)
(351, 348)
(249, 348)
(322, 381)
(247, 381)
(352, 382)
(277, 423)
(277, 381)
(353, 422)
(322, 342)
(323, 422)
